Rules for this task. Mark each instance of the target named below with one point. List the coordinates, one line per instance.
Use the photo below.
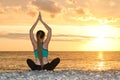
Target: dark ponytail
(39, 47)
(40, 35)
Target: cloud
(112, 3)
(31, 13)
(47, 5)
(1, 11)
(80, 11)
(102, 8)
(71, 1)
(57, 37)
(98, 8)
(14, 35)
(26, 35)
(15, 9)
(70, 35)
(19, 7)
(11, 3)
(71, 12)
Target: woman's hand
(37, 19)
(40, 17)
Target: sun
(102, 31)
(100, 38)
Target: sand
(61, 75)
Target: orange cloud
(11, 3)
(56, 37)
(71, 1)
(47, 5)
(80, 11)
(1, 11)
(15, 9)
(31, 13)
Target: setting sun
(102, 31)
(102, 35)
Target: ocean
(81, 60)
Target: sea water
(80, 60)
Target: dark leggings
(48, 66)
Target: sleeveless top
(44, 52)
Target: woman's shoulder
(45, 45)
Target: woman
(40, 47)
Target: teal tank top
(44, 52)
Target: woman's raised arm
(49, 34)
(32, 38)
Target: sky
(77, 25)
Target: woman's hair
(40, 34)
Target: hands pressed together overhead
(39, 17)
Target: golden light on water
(100, 63)
(100, 56)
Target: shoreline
(61, 75)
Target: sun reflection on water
(100, 56)
(101, 65)
(101, 62)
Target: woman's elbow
(30, 31)
(50, 29)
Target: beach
(61, 75)
(73, 66)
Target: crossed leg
(48, 66)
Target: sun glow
(102, 31)
(101, 43)
(102, 40)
